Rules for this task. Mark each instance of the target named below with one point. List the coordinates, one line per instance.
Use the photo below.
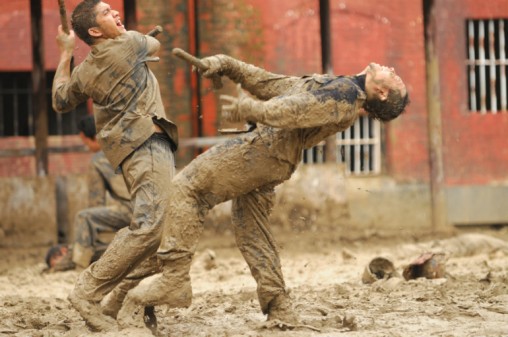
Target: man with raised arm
(292, 114)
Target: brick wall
(283, 36)
(474, 144)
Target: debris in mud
(378, 269)
(428, 265)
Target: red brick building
(450, 53)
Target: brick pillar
(172, 74)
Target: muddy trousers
(250, 215)
(148, 173)
(242, 170)
(250, 220)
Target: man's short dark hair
(55, 250)
(83, 18)
(388, 109)
(87, 126)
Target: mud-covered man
(133, 132)
(292, 114)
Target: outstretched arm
(257, 81)
(302, 110)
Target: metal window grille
(358, 147)
(487, 65)
(16, 109)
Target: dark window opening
(16, 108)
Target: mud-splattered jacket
(297, 112)
(125, 94)
(102, 180)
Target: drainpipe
(197, 123)
(39, 89)
(327, 68)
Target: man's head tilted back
(387, 95)
(94, 21)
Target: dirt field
(324, 274)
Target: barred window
(487, 65)
(16, 108)
(358, 147)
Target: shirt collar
(360, 80)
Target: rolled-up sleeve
(67, 95)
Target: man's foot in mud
(91, 313)
(150, 319)
(152, 291)
(131, 315)
(281, 309)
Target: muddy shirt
(125, 94)
(102, 179)
(295, 113)
(310, 110)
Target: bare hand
(66, 42)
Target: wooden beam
(437, 188)
(327, 68)
(39, 89)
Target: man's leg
(113, 302)
(148, 173)
(250, 216)
(178, 244)
(222, 173)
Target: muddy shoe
(113, 301)
(281, 310)
(150, 319)
(131, 315)
(91, 313)
(153, 291)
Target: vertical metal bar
(483, 80)
(129, 8)
(317, 154)
(308, 154)
(377, 146)
(492, 68)
(195, 79)
(432, 21)
(502, 64)
(472, 66)
(366, 148)
(15, 107)
(347, 151)
(357, 147)
(327, 66)
(31, 128)
(324, 24)
(39, 89)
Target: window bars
(486, 65)
(16, 109)
(358, 147)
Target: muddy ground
(323, 272)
